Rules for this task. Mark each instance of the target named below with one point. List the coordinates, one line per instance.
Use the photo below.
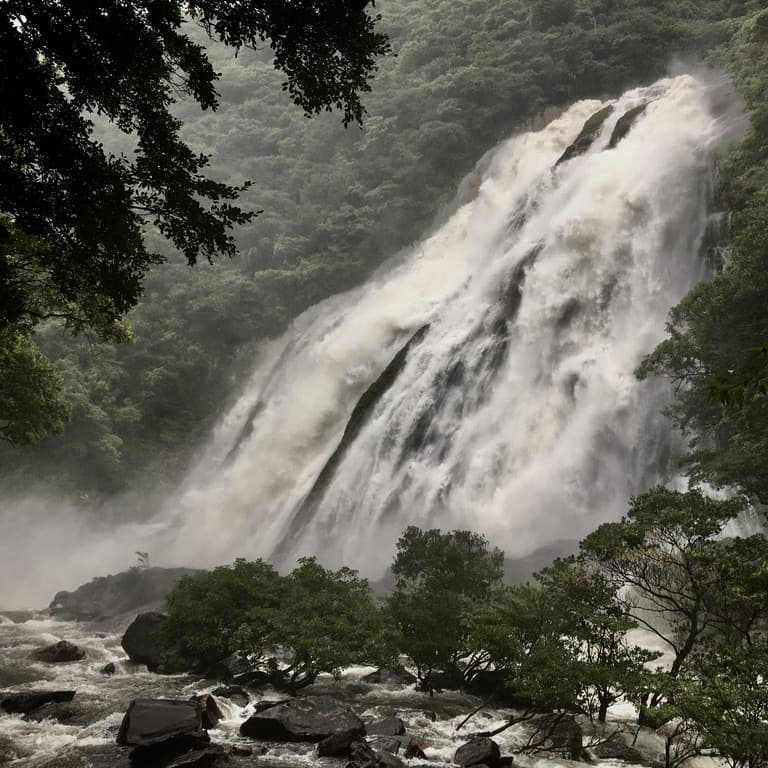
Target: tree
(725, 699)
(30, 405)
(214, 614)
(324, 621)
(128, 63)
(289, 628)
(656, 557)
(440, 580)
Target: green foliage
(292, 627)
(461, 562)
(439, 579)
(214, 614)
(725, 698)
(324, 621)
(337, 203)
(73, 216)
(30, 402)
(660, 556)
(714, 353)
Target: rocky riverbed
(82, 732)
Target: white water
(544, 446)
(547, 433)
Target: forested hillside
(337, 202)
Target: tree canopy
(64, 65)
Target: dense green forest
(337, 202)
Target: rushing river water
(81, 734)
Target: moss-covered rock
(624, 124)
(589, 132)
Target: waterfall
(484, 380)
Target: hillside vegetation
(337, 202)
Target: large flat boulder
(311, 718)
(478, 751)
(162, 729)
(59, 653)
(27, 701)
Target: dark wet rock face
(391, 726)
(312, 718)
(22, 703)
(109, 597)
(587, 136)
(141, 641)
(59, 653)
(624, 124)
(235, 693)
(108, 669)
(338, 744)
(357, 420)
(478, 751)
(204, 758)
(394, 676)
(161, 730)
(210, 712)
(617, 749)
(559, 733)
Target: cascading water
(482, 380)
(486, 380)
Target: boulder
(260, 706)
(30, 700)
(140, 640)
(162, 729)
(362, 756)
(386, 759)
(209, 709)
(561, 734)
(108, 669)
(60, 652)
(616, 749)
(413, 749)
(450, 679)
(393, 676)
(587, 136)
(110, 597)
(235, 693)
(390, 726)
(311, 718)
(492, 684)
(480, 750)
(203, 758)
(338, 744)
(228, 668)
(389, 744)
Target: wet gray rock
(617, 749)
(108, 669)
(477, 751)
(210, 712)
(312, 718)
(161, 730)
(390, 726)
(141, 641)
(561, 733)
(204, 758)
(386, 759)
(393, 676)
(338, 744)
(59, 653)
(235, 693)
(112, 597)
(27, 701)
(389, 744)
